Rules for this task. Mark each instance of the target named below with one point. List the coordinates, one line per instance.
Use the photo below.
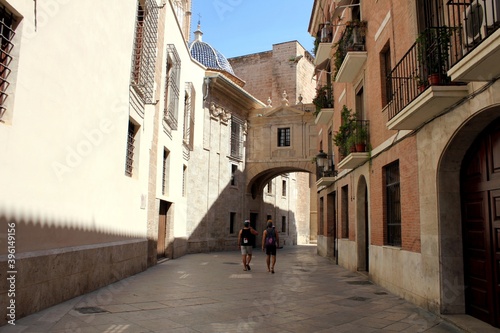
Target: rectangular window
(166, 168)
(345, 211)
(144, 53)
(283, 189)
(385, 71)
(7, 21)
(284, 137)
(270, 187)
(172, 87)
(283, 224)
(189, 103)
(129, 161)
(232, 221)
(393, 204)
(234, 168)
(237, 137)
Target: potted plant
(433, 47)
(344, 139)
(361, 137)
(323, 98)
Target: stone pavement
(210, 292)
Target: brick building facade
(411, 209)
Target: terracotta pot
(434, 79)
(360, 147)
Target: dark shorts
(271, 250)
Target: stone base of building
(325, 246)
(47, 278)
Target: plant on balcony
(433, 51)
(361, 137)
(323, 98)
(353, 39)
(344, 138)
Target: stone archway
(452, 298)
(260, 173)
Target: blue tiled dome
(207, 55)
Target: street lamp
(321, 159)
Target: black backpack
(270, 237)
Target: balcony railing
(353, 39)
(323, 43)
(425, 64)
(474, 52)
(325, 175)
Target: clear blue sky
(240, 27)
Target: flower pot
(360, 147)
(434, 79)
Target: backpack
(271, 237)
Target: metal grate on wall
(7, 21)
(144, 53)
(237, 137)
(172, 91)
(129, 160)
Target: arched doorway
(480, 198)
(450, 233)
(362, 234)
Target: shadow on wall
(45, 264)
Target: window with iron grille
(7, 21)
(129, 160)
(237, 137)
(172, 85)
(166, 168)
(144, 53)
(393, 205)
(283, 188)
(284, 137)
(189, 99)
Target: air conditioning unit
(479, 16)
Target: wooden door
(162, 229)
(480, 183)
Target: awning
(325, 65)
(340, 6)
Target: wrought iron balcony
(350, 54)
(326, 174)
(323, 43)
(475, 41)
(356, 150)
(418, 87)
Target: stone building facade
(285, 72)
(414, 208)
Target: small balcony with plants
(323, 102)
(350, 54)
(323, 43)
(325, 169)
(352, 140)
(418, 87)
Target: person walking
(246, 242)
(270, 241)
